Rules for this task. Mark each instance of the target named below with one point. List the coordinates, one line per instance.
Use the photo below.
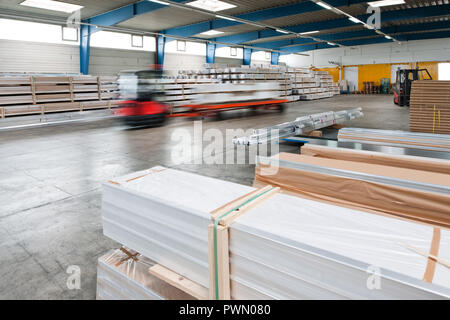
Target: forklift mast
(403, 84)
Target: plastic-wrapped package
(285, 247)
(396, 138)
(122, 274)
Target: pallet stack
(40, 94)
(430, 106)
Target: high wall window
(195, 48)
(261, 56)
(37, 32)
(227, 52)
(116, 40)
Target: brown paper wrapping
(400, 161)
(425, 207)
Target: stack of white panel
(284, 248)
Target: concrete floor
(50, 187)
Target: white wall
(22, 56)
(411, 51)
(25, 56)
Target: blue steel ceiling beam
(256, 16)
(125, 13)
(428, 35)
(372, 40)
(282, 44)
(388, 16)
(364, 33)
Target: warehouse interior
(122, 123)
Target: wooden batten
(190, 287)
(219, 252)
(223, 291)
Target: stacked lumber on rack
(243, 74)
(430, 106)
(175, 92)
(426, 141)
(297, 83)
(269, 245)
(40, 94)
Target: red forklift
(142, 101)
(142, 98)
(403, 83)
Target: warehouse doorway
(444, 71)
(351, 75)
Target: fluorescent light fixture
(309, 32)
(211, 32)
(324, 5)
(282, 31)
(385, 3)
(388, 37)
(160, 2)
(51, 5)
(332, 44)
(353, 19)
(211, 5)
(226, 18)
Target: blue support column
(160, 45)
(210, 52)
(85, 48)
(274, 57)
(247, 56)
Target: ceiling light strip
(354, 19)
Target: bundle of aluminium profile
(299, 126)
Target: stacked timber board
(308, 84)
(430, 106)
(283, 247)
(39, 94)
(396, 138)
(296, 83)
(175, 92)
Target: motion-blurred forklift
(142, 98)
(403, 83)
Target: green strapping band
(216, 223)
